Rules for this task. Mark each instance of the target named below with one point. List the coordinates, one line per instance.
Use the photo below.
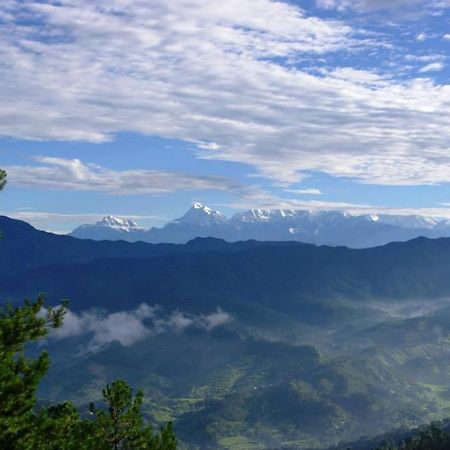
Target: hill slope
(251, 344)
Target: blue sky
(139, 108)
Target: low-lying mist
(130, 327)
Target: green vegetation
(434, 438)
(19, 375)
(2, 179)
(310, 357)
(119, 424)
(2, 184)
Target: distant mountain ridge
(101, 273)
(110, 228)
(316, 227)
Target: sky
(138, 108)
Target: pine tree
(2, 179)
(59, 427)
(121, 426)
(2, 184)
(19, 374)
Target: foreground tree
(2, 183)
(118, 426)
(433, 438)
(20, 375)
(121, 425)
(2, 179)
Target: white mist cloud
(311, 191)
(130, 327)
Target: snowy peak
(315, 226)
(119, 223)
(111, 228)
(412, 221)
(263, 215)
(202, 215)
(200, 206)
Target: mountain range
(209, 268)
(316, 227)
(280, 345)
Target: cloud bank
(250, 87)
(131, 327)
(75, 175)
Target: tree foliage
(433, 438)
(2, 179)
(121, 426)
(2, 184)
(20, 375)
(117, 425)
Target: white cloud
(201, 72)
(432, 67)
(379, 5)
(73, 174)
(261, 199)
(48, 220)
(425, 58)
(63, 223)
(446, 37)
(131, 327)
(23, 214)
(179, 321)
(305, 191)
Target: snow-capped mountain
(199, 221)
(118, 223)
(201, 215)
(110, 228)
(310, 226)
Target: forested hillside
(246, 345)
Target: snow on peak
(263, 215)
(411, 221)
(200, 207)
(202, 215)
(119, 223)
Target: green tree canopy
(20, 375)
(121, 426)
(433, 438)
(2, 179)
